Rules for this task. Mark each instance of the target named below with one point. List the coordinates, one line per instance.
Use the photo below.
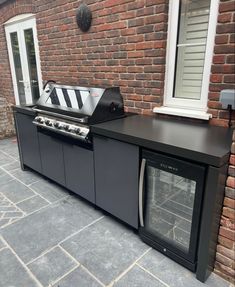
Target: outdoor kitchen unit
(164, 178)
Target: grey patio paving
(59, 240)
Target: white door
(21, 35)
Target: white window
(191, 32)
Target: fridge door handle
(141, 188)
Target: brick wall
(225, 257)
(223, 67)
(125, 47)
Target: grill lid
(96, 104)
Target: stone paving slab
(49, 190)
(32, 204)
(12, 166)
(15, 191)
(51, 266)
(27, 177)
(12, 273)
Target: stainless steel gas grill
(69, 110)
(54, 134)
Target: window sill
(182, 113)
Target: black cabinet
(79, 171)
(28, 141)
(52, 157)
(116, 178)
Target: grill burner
(69, 110)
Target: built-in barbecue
(69, 110)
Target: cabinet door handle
(141, 189)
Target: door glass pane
(191, 47)
(169, 206)
(18, 67)
(29, 43)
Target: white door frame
(19, 24)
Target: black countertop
(197, 142)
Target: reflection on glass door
(24, 58)
(169, 206)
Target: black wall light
(84, 17)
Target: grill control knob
(39, 120)
(66, 127)
(56, 125)
(77, 130)
(48, 123)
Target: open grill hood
(92, 105)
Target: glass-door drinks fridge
(170, 201)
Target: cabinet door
(52, 157)
(79, 171)
(116, 178)
(28, 141)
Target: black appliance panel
(28, 141)
(79, 170)
(172, 204)
(52, 157)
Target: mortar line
(14, 204)
(147, 271)
(129, 267)
(24, 184)
(26, 199)
(8, 155)
(62, 277)
(22, 263)
(57, 245)
(69, 255)
(26, 215)
(92, 275)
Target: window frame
(179, 103)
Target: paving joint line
(92, 275)
(62, 277)
(31, 213)
(69, 255)
(24, 184)
(129, 268)
(62, 241)
(26, 199)
(8, 155)
(154, 276)
(22, 263)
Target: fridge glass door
(169, 207)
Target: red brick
(232, 159)
(215, 78)
(226, 242)
(227, 6)
(230, 181)
(230, 59)
(221, 39)
(226, 17)
(228, 233)
(219, 59)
